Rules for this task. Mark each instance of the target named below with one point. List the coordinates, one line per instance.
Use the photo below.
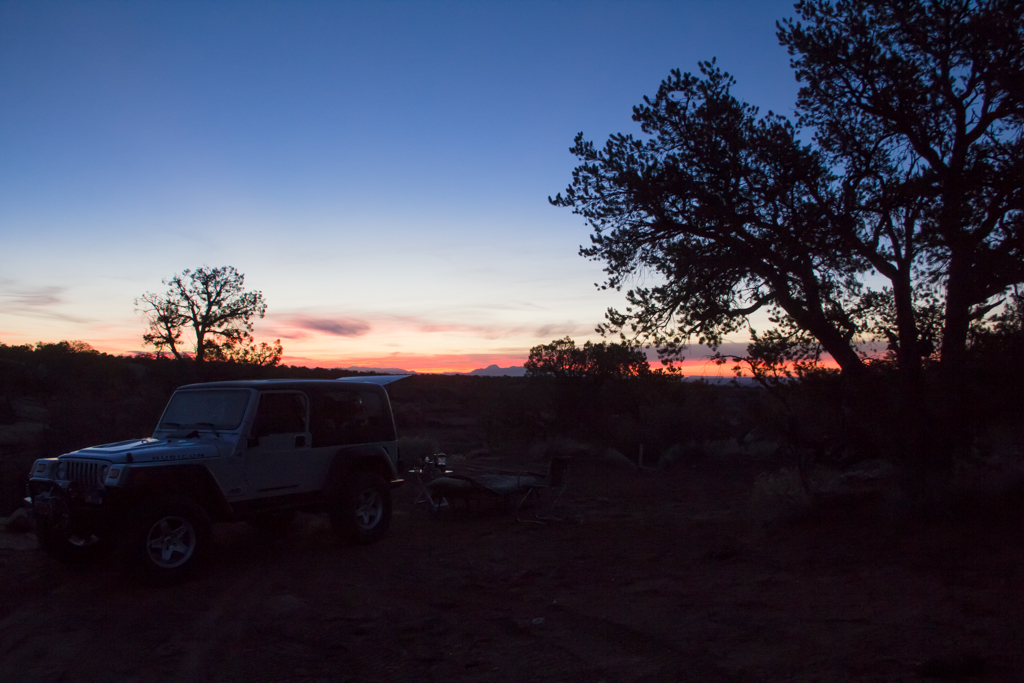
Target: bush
(779, 496)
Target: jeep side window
(280, 413)
(348, 417)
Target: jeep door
(278, 459)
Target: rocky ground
(653, 576)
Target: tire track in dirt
(210, 630)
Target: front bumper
(68, 508)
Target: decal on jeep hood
(178, 456)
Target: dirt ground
(656, 577)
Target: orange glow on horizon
(704, 367)
(422, 363)
(442, 363)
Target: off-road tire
(167, 541)
(72, 551)
(362, 511)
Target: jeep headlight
(62, 471)
(111, 475)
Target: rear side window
(280, 413)
(349, 416)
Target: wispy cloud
(299, 326)
(492, 331)
(38, 301)
(39, 296)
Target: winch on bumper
(72, 495)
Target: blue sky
(380, 171)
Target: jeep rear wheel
(168, 540)
(362, 513)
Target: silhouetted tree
(204, 313)
(729, 210)
(250, 353)
(920, 106)
(605, 360)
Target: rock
(614, 458)
(868, 470)
(20, 522)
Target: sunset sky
(379, 170)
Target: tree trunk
(908, 355)
(957, 317)
(951, 423)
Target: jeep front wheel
(168, 540)
(362, 513)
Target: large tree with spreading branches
(206, 314)
(915, 110)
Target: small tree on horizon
(604, 360)
(251, 353)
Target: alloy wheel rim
(171, 542)
(369, 509)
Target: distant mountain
(495, 371)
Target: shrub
(779, 496)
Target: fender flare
(192, 480)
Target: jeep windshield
(209, 409)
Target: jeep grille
(85, 472)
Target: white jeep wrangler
(256, 451)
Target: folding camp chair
(544, 492)
(431, 468)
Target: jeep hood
(150, 450)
